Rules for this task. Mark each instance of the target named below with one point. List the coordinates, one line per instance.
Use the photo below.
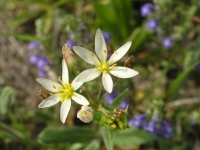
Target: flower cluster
(152, 24)
(157, 127)
(40, 61)
(64, 92)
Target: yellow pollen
(104, 51)
(92, 54)
(59, 78)
(115, 52)
(52, 94)
(114, 65)
(54, 86)
(96, 66)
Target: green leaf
(25, 37)
(66, 134)
(179, 81)
(5, 98)
(131, 137)
(107, 138)
(119, 98)
(93, 145)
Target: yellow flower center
(103, 67)
(66, 92)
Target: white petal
(50, 101)
(120, 52)
(86, 55)
(100, 46)
(52, 86)
(65, 75)
(64, 110)
(107, 82)
(88, 75)
(76, 84)
(80, 99)
(123, 72)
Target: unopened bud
(85, 114)
(68, 56)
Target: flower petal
(64, 110)
(88, 75)
(123, 72)
(120, 52)
(52, 86)
(50, 101)
(100, 46)
(75, 84)
(65, 75)
(80, 99)
(86, 55)
(107, 82)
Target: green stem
(99, 92)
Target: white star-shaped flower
(63, 92)
(101, 64)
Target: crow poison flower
(101, 64)
(63, 92)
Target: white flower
(101, 63)
(63, 92)
(85, 114)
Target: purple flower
(146, 9)
(152, 24)
(166, 130)
(71, 44)
(107, 36)
(168, 43)
(151, 127)
(34, 59)
(137, 121)
(124, 103)
(33, 45)
(110, 97)
(42, 63)
(42, 73)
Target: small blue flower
(107, 36)
(42, 73)
(152, 24)
(110, 97)
(42, 63)
(146, 9)
(137, 121)
(166, 130)
(34, 59)
(33, 45)
(168, 43)
(71, 44)
(124, 104)
(151, 127)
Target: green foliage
(5, 98)
(107, 138)
(66, 135)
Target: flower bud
(68, 56)
(85, 114)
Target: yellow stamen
(104, 51)
(54, 86)
(62, 100)
(115, 52)
(114, 65)
(91, 54)
(52, 94)
(59, 78)
(97, 66)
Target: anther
(59, 78)
(115, 52)
(52, 94)
(92, 54)
(54, 86)
(104, 51)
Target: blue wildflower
(166, 130)
(107, 36)
(34, 59)
(151, 127)
(70, 43)
(137, 121)
(168, 43)
(33, 45)
(152, 24)
(146, 9)
(42, 63)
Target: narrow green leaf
(25, 37)
(131, 137)
(66, 134)
(5, 97)
(108, 140)
(93, 145)
(119, 98)
(175, 86)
